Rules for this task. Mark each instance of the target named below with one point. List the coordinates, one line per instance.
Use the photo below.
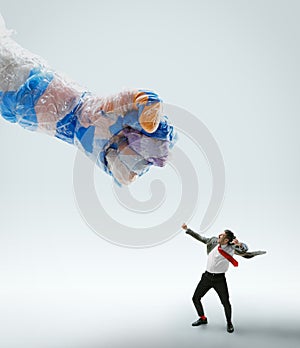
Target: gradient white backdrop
(233, 64)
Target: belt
(214, 274)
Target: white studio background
(234, 64)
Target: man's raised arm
(197, 236)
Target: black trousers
(219, 284)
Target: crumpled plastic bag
(125, 134)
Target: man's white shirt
(216, 263)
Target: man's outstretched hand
(184, 226)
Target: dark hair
(229, 235)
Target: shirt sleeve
(197, 236)
(239, 249)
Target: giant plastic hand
(125, 134)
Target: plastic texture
(124, 134)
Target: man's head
(226, 237)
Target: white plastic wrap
(124, 134)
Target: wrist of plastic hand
(124, 134)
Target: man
(220, 250)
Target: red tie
(228, 257)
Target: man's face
(223, 238)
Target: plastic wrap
(124, 134)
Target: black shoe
(230, 327)
(200, 322)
